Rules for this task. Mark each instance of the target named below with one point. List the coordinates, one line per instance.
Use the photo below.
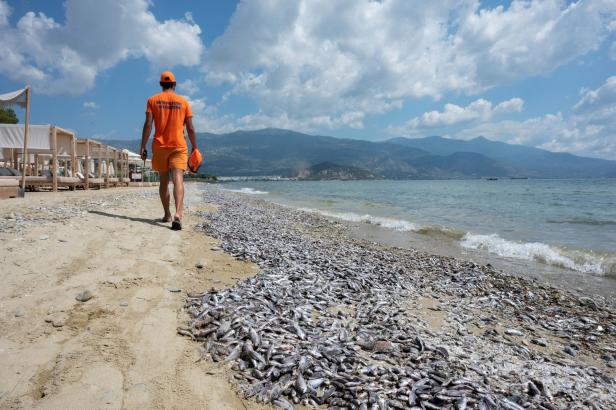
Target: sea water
(563, 231)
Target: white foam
(248, 191)
(535, 251)
(390, 223)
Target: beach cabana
(114, 167)
(48, 146)
(92, 153)
(22, 99)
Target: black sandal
(176, 225)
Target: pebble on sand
(84, 296)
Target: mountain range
(281, 152)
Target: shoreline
(585, 270)
(345, 313)
(392, 314)
(582, 284)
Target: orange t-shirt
(169, 111)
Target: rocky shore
(345, 323)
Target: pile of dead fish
(324, 322)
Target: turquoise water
(545, 227)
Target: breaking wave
(248, 191)
(596, 263)
(391, 223)
(577, 260)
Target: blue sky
(539, 73)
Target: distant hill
(282, 152)
(329, 171)
(519, 160)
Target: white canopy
(14, 98)
(134, 158)
(40, 139)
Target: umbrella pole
(25, 156)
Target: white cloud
(188, 87)
(455, 115)
(207, 118)
(590, 129)
(308, 59)
(5, 12)
(91, 105)
(599, 102)
(97, 35)
(512, 105)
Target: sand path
(119, 349)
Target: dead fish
(186, 332)
(461, 403)
(324, 320)
(283, 404)
(254, 337)
(298, 331)
(234, 354)
(343, 336)
(223, 328)
(316, 383)
(300, 384)
(303, 364)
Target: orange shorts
(166, 158)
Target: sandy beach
(283, 307)
(119, 349)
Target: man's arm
(145, 134)
(191, 133)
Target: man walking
(170, 113)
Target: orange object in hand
(194, 161)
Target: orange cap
(194, 162)
(167, 77)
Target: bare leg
(163, 190)
(178, 191)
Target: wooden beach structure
(22, 99)
(47, 159)
(48, 156)
(102, 166)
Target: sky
(538, 73)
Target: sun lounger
(113, 181)
(92, 180)
(47, 180)
(9, 187)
